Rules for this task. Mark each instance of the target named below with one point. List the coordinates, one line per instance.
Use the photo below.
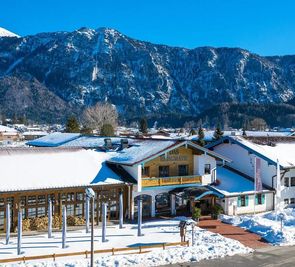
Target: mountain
(6, 33)
(77, 69)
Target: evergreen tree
(218, 133)
(107, 130)
(143, 126)
(192, 132)
(72, 125)
(201, 136)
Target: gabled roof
(271, 152)
(146, 150)
(45, 168)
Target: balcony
(173, 180)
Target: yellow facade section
(174, 158)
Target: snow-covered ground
(268, 225)
(208, 245)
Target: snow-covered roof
(5, 129)
(44, 168)
(146, 149)
(231, 183)
(54, 139)
(93, 141)
(140, 150)
(280, 150)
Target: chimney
(108, 143)
(124, 143)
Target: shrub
(216, 210)
(196, 214)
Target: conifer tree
(201, 136)
(192, 132)
(72, 125)
(107, 130)
(143, 126)
(218, 133)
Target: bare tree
(102, 113)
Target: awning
(197, 192)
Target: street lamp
(91, 194)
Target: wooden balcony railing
(173, 180)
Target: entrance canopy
(197, 192)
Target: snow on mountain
(6, 33)
(83, 67)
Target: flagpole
(278, 187)
(255, 178)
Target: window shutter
(256, 200)
(239, 201)
(247, 200)
(263, 198)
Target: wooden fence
(138, 249)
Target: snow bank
(208, 245)
(268, 225)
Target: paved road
(266, 257)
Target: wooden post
(139, 216)
(64, 227)
(121, 211)
(87, 215)
(104, 221)
(19, 232)
(8, 223)
(50, 219)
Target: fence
(139, 249)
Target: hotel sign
(174, 155)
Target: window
(146, 171)
(163, 171)
(207, 168)
(79, 196)
(71, 197)
(292, 181)
(70, 210)
(292, 200)
(31, 212)
(41, 200)
(182, 170)
(243, 201)
(260, 199)
(41, 211)
(79, 209)
(31, 200)
(286, 181)
(286, 201)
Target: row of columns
(153, 205)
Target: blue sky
(263, 27)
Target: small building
(8, 134)
(33, 176)
(274, 152)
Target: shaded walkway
(246, 238)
